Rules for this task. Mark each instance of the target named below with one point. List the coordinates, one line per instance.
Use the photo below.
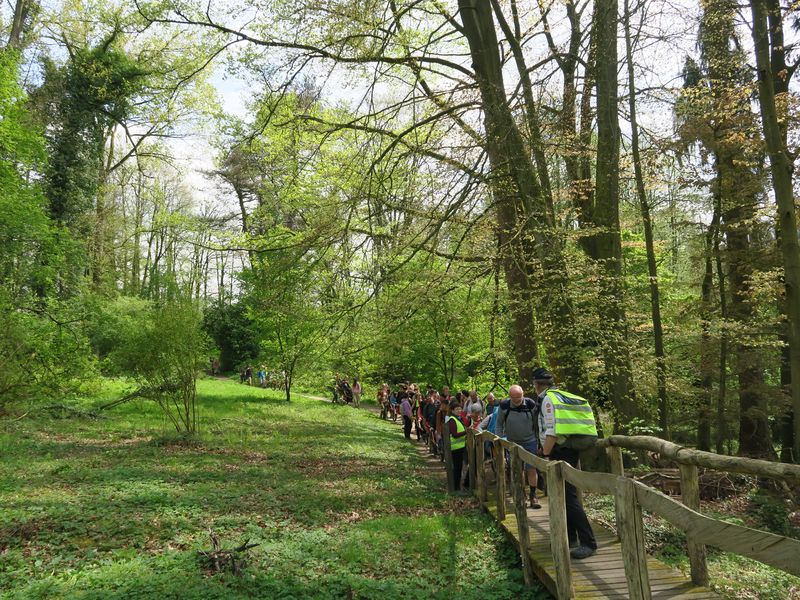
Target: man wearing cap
(516, 420)
(566, 426)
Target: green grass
(335, 498)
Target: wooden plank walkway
(601, 575)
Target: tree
(718, 115)
(771, 71)
(234, 333)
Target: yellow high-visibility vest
(456, 443)
(573, 414)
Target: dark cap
(542, 374)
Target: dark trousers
(578, 527)
(458, 463)
(407, 426)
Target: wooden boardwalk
(601, 575)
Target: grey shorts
(532, 447)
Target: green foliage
(771, 512)
(25, 233)
(161, 347)
(233, 332)
(43, 353)
(81, 100)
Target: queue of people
(553, 424)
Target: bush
(43, 354)
(161, 347)
(233, 332)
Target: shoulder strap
(528, 406)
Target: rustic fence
(630, 498)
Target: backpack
(529, 406)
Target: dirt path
(429, 463)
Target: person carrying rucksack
(567, 426)
(517, 420)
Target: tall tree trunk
(608, 241)
(21, 12)
(706, 348)
(723, 431)
(781, 168)
(523, 224)
(652, 269)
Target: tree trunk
(781, 167)
(21, 11)
(524, 229)
(608, 241)
(652, 269)
(723, 431)
(706, 347)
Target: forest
(446, 192)
(452, 193)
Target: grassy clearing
(334, 497)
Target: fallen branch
(220, 559)
(149, 392)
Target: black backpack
(529, 406)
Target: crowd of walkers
(554, 424)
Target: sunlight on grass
(334, 498)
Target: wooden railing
(630, 498)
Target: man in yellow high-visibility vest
(566, 426)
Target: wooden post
(480, 470)
(690, 496)
(448, 458)
(473, 462)
(559, 542)
(614, 454)
(470, 452)
(521, 512)
(500, 479)
(631, 534)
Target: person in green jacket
(566, 426)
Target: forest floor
(338, 503)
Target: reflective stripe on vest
(572, 419)
(456, 443)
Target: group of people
(265, 378)
(554, 424)
(345, 393)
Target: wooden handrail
(589, 481)
(701, 458)
(632, 496)
(774, 550)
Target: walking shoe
(574, 544)
(535, 502)
(582, 552)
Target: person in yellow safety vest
(458, 441)
(566, 426)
